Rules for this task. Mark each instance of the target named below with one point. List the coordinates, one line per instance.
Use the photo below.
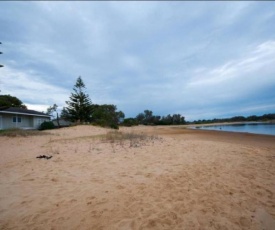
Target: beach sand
(175, 178)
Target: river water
(258, 128)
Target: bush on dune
(47, 125)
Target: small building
(11, 117)
(62, 122)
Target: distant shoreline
(231, 123)
(236, 127)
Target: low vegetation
(47, 125)
(129, 139)
(20, 133)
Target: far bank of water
(257, 128)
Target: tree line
(265, 117)
(147, 118)
(79, 109)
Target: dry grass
(21, 133)
(81, 138)
(130, 139)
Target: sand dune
(176, 179)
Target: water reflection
(258, 128)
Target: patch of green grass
(21, 133)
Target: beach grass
(134, 139)
(21, 132)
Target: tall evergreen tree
(79, 105)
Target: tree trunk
(57, 119)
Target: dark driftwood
(44, 156)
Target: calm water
(258, 128)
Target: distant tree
(10, 101)
(238, 118)
(177, 119)
(156, 120)
(107, 116)
(270, 116)
(148, 116)
(140, 118)
(120, 116)
(265, 117)
(252, 118)
(182, 120)
(130, 122)
(79, 105)
(51, 110)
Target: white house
(21, 118)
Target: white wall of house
(37, 121)
(16, 121)
(21, 121)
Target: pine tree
(79, 105)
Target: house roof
(14, 110)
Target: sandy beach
(171, 178)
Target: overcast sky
(200, 59)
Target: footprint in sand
(120, 187)
(126, 224)
(97, 181)
(73, 200)
(54, 179)
(245, 222)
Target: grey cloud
(165, 56)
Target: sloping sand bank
(175, 179)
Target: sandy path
(182, 180)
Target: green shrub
(47, 125)
(128, 122)
(114, 126)
(106, 124)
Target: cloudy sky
(200, 59)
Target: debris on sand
(44, 156)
